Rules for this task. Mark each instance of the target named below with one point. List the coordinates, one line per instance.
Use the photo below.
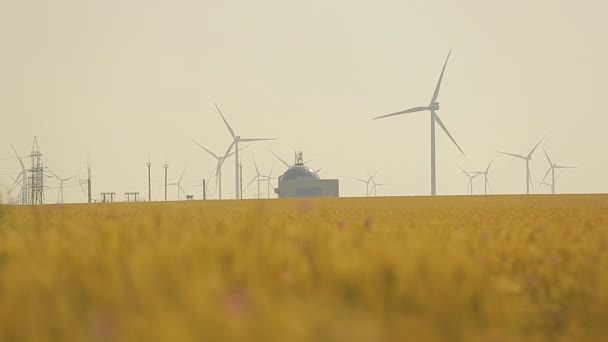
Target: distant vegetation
(513, 268)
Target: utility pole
(149, 181)
(166, 166)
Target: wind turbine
(269, 179)
(220, 162)
(258, 176)
(180, 190)
(471, 176)
(371, 177)
(16, 181)
(552, 167)
(24, 180)
(433, 107)
(374, 188)
(527, 158)
(235, 142)
(485, 176)
(61, 181)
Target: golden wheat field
(496, 268)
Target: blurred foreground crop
(513, 268)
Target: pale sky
(123, 79)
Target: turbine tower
(218, 169)
(527, 158)
(433, 107)
(235, 142)
(552, 167)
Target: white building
(301, 181)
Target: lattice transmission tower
(36, 185)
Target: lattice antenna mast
(299, 158)
(37, 175)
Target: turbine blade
(211, 153)
(447, 132)
(360, 180)
(226, 122)
(489, 186)
(272, 169)
(512, 155)
(565, 167)
(411, 110)
(436, 93)
(18, 158)
(180, 177)
(250, 140)
(250, 182)
(488, 168)
(534, 149)
(256, 165)
(463, 171)
(547, 155)
(318, 170)
(546, 174)
(227, 152)
(14, 183)
(279, 158)
(240, 149)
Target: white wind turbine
(485, 176)
(471, 176)
(433, 107)
(218, 169)
(552, 167)
(375, 186)
(367, 182)
(258, 176)
(61, 181)
(527, 158)
(235, 142)
(24, 180)
(180, 190)
(269, 179)
(16, 181)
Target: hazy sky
(123, 79)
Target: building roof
(297, 172)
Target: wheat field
(495, 268)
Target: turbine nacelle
(434, 106)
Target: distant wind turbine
(258, 176)
(61, 181)
(180, 190)
(235, 142)
(485, 176)
(552, 167)
(367, 182)
(433, 107)
(218, 169)
(24, 179)
(527, 158)
(471, 176)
